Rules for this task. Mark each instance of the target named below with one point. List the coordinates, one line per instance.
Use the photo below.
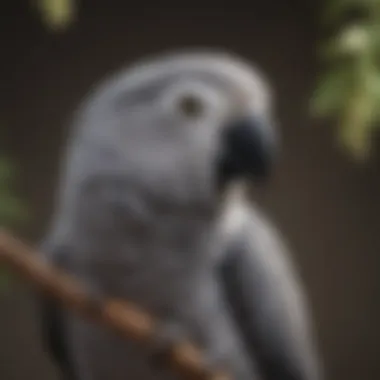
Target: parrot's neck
(156, 265)
(159, 262)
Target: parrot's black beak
(248, 150)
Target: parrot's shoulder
(247, 231)
(243, 217)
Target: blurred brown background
(326, 206)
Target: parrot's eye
(192, 102)
(191, 106)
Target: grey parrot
(151, 207)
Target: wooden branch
(119, 316)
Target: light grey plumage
(141, 215)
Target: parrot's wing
(53, 327)
(54, 338)
(267, 303)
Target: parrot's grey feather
(53, 327)
(54, 336)
(266, 301)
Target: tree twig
(120, 316)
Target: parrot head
(177, 127)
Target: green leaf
(5, 280)
(350, 89)
(374, 33)
(6, 171)
(351, 43)
(374, 88)
(12, 210)
(331, 91)
(353, 40)
(336, 10)
(357, 122)
(57, 14)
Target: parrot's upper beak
(248, 150)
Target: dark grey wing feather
(54, 337)
(267, 305)
(52, 324)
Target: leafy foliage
(12, 209)
(349, 89)
(57, 14)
